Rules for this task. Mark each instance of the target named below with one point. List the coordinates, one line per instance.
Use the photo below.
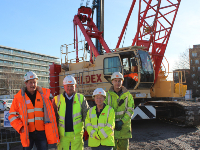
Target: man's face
(31, 85)
(69, 89)
(117, 83)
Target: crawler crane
(152, 93)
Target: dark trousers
(102, 148)
(39, 139)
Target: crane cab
(134, 63)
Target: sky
(42, 26)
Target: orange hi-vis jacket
(40, 118)
(134, 76)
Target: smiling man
(32, 115)
(120, 99)
(71, 110)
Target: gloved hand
(118, 125)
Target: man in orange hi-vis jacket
(133, 76)
(32, 115)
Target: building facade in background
(14, 63)
(194, 58)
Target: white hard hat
(99, 91)
(117, 75)
(69, 80)
(30, 75)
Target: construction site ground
(153, 135)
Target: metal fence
(8, 135)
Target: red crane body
(157, 27)
(89, 30)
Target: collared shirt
(68, 96)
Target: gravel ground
(155, 135)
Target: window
(193, 68)
(194, 54)
(198, 68)
(194, 83)
(111, 65)
(196, 61)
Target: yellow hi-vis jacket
(102, 127)
(79, 111)
(124, 112)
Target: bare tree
(11, 82)
(183, 61)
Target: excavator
(153, 94)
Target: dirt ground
(154, 135)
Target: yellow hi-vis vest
(102, 126)
(76, 112)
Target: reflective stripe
(76, 115)
(77, 122)
(108, 112)
(90, 112)
(126, 102)
(39, 118)
(13, 113)
(108, 99)
(104, 133)
(58, 100)
(20, 116)
(128, 113)
(101, 125)
(130, 108)
(79, 99)
(119, 113)
(13, 118)
(91, 133)
(61, 125)
(118, 119)
(38, 109)
(35, 109)
(31, 120)
(62, 118)
(109, 125)
(30, 110)
(88, 124)
(95, 126)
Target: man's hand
(21, 130)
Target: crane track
(181, 113)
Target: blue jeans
(40, 140)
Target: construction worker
(120, 99)
(32, 115)
(133, 75)
(100, 123)
(71, 109)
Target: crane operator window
(111, 65)
(147, 72)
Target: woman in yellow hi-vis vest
(100, 123)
